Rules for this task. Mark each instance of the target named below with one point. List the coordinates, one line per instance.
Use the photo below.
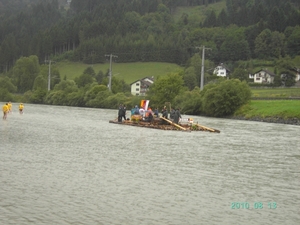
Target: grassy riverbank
(284, 109)
(275, 92)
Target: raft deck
(165, 124)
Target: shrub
(224, 98)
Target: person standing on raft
(177, 115)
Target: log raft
(165, 124)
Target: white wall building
(140, 87)
(221, 70)
(264, 76)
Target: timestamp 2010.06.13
(254, 205)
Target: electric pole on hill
(202, 66)
(49, 73)
(110, 69)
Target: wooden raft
(207, 128)
(157, 124)
(174, 124)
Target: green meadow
(270, 108)
(197, 14)
(276, 92)
(129, 72)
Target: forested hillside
(239, 33)
(143, 30)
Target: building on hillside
(264, 76)
(297, 73)
(221, 70)
(251, 76)
(140, 87)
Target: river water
(68, 165)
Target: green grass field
(271, 108)
(198, 13)
(276, 92)
(129, 72)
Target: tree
(99, 77)
(97, 95)
(293, 42)
(5, 83)
(269, 44)
(84, 79)
(240, 74)
(165, 89)
(40, 83)
(189, 102)
(194, 66)
(222, 19)
(276, 20)
(189, 78)
(262, 44)
(90, 70)
(38, 96)
(235, 48)
(25, 71)
(285, 67)
(222, 99)
(277, 45)
(211, 20)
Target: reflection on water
(67, 165)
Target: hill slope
(198, 13)
(129, 72)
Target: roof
(225, 67)
(146, 82)
(266, 71)
(296, 69)
(143, 80)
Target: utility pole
(110, 69)
(49, 74)
(202, 69)
(202, 66)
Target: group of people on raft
(149, 115)
(7, 108)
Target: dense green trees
(24, 73)
(165, 89)
(222, 99)
(147, 31)
(142, 30)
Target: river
(68, 165)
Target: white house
(297, 71)
(221, 70)
(140, 87)
(264, 76)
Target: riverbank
(291, 121)
(270, 111)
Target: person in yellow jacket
(21, 107)
(9, 107)
(5, 110)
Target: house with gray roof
(264, 76)
(221, 70)
(140, 87)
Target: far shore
(290, 121)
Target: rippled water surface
(68, 165)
